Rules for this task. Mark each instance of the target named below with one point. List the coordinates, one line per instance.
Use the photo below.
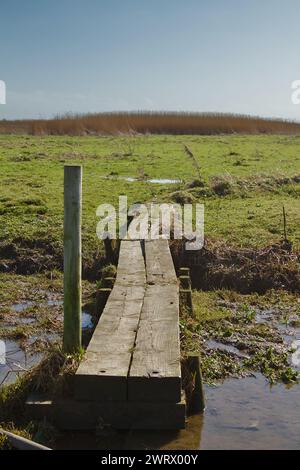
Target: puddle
(21, 307)
(15, 361)
(87, 320)
(248, 414)
(46, 337)
(27, 320)
(213, 344)
(295, 358)
(290, 335)
(240, 414)
(163, 181)
(264, 316)
(272, 317)
(55, 302)
(131, 179)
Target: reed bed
(176, 123)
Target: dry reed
(114, 123)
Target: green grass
(31, 194)
(206, 307)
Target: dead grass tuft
(245, 270)
(53, 374)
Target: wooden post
(185, 292)
(184, 272)
(186, 300)
(185, 282)
(197, 400)
(72, 258)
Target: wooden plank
(155, 370)
(159, 264)
(77, 415)
(102, 374)
(131, 264)
(155, 373)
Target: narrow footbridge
(130, 376)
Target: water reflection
(132, 179)
(189, 438)
(16, 361)
(240, 414)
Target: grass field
(245, 182)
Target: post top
(72, 166)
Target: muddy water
(21, 307)
(290, 334)
(240, 414)
(15, 359)
(249, 414)
(213, 344)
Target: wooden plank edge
(154, 389)
(70, 414)
(100, 387)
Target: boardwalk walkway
(130, 376)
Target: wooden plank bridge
(134, 354)
(130, 376)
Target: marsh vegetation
(246, 280)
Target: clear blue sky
(98, 55)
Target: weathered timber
(155, 374)
(185, 282)
(102, 374)
(186, 301)
(184, 271)
(87, 415)
(131, 264)
(197, 400)
(159, 263)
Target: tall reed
(142, 122)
